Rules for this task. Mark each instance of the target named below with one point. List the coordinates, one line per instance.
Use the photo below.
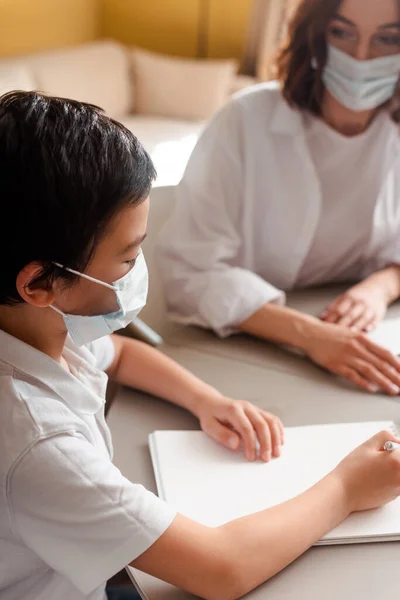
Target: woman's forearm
(387, 281)
(282, 325)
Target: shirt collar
(287, 120)
(83, 389)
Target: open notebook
(212, 485)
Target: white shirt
(69, 520)
(250, 213)
(348, 201)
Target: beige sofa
(101, 73)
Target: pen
(390, 446)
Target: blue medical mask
(361, 84)
(131, 292)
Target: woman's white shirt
(351, 171)
(252, 212)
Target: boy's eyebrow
(133, 244)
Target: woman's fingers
(338, 309)
(380, 352)
(385, 368)
(354, 377)
(365, 321)
(356, 313)
(376, 376)
(369, 366)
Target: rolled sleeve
(77, 512)
(200, 252)
(232, 297)
(386, 257)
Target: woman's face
(366, 29)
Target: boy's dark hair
(66, 169)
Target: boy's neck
(40, 328)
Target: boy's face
(113, 258)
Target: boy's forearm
(229, 561)
(145, 368)
(282, 533)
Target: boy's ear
(36, 296)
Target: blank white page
(387, 334)
(212, 485)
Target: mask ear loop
(56, 309)
(108, 285)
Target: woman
(69, 520)
(296, 186)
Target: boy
(75, 188)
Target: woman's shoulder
(262, 98)
(247, 117)
(255, 108)
(269, 92)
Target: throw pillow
(180, 88)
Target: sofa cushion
(169, 143)
(98, 73)
(14, 76)
(180, 88)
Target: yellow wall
(171, 26)
(168, 26)
(228, 27)
(30, 25)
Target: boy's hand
(371, 476)
(236, 424)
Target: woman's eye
(340, 34)
(131, 263)
(388, 40)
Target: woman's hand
(371, 476)
(354, 356)
(236, 424)
(362, 307)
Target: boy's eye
(131, 263)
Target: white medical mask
(131, 293)
(361, 84)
